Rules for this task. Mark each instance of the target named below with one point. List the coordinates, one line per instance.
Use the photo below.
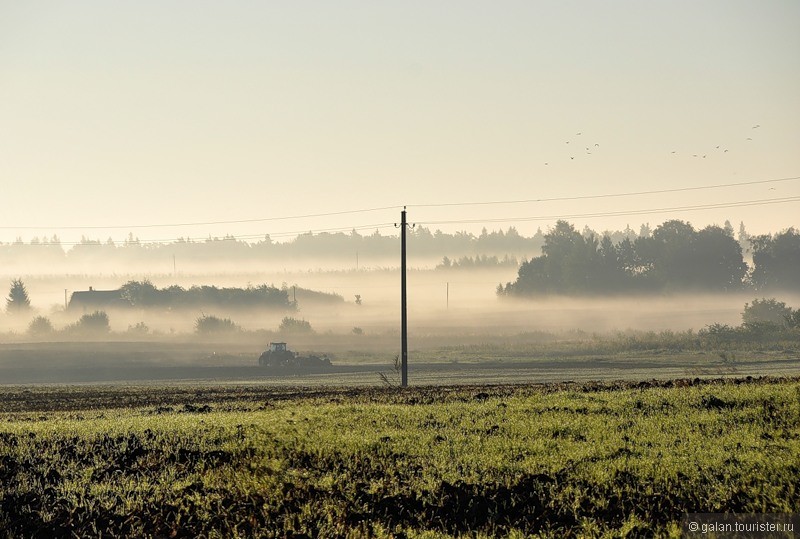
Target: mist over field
(445, 302)
(673, 277)
(496, 301)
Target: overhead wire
(607, 195)
(395, 207)
(649, 211)
(378, 226)
(644, 211)
(203, 223)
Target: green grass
(551, 461)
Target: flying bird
(756, 126)
(748, 138)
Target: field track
(201, 363)
(98, 397)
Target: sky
(197, 119)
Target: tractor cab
(277, 355)
(277, 347)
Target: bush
(139, 329)
(793, 321)
(40, 326)
(765, 321)
(766, 310)
(208, 325)
(293, 325)
(91, 324)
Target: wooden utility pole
(403, 316)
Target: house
(93, 300)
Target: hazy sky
(114, 114)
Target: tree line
(674, 257)
(375, 248)
(145, 294)
(477, 262)
(325, 247)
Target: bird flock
(717, 149)
(586, 151)
(579, 148)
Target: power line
(378, 226)
(385, 208)
(454, 221)
(204, 223)
(607, 195)
(738, 204)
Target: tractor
(278, 356)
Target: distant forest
(458, 250)
(673, 258)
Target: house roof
(97, 298)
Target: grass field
(552, 460)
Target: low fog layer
(448, 302)
(456, 323)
